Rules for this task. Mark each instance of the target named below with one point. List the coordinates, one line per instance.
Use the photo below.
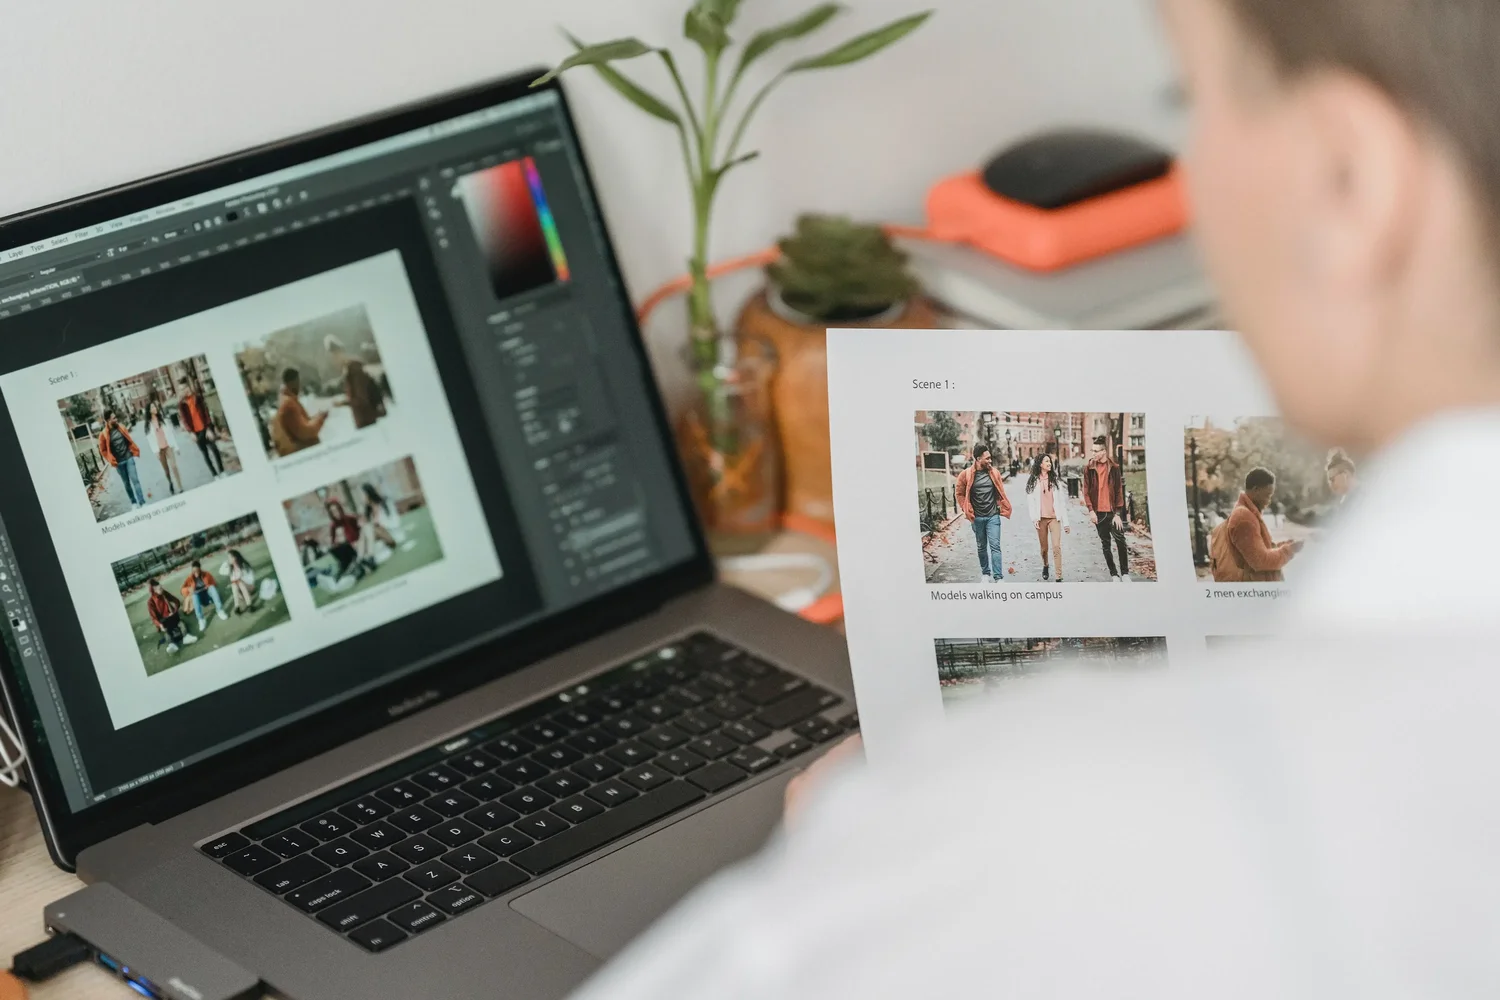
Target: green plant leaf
(597, 55)
(725, 10)
(706, 29)
(862, 47)
(798, 27)
(737, 161)
(624, 86)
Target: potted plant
(724, 441)
(832, 273)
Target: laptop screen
(278, 443)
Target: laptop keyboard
(425, 840)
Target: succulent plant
(834, 269)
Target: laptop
(356, 616)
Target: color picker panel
(513, 225)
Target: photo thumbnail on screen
(200, 593)
(146, 438)
(363, 531)
(1257, 495)
(513, 225)
(969, 668)
(1038, 497)
(319, 382)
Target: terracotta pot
(799, 389)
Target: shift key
(369, 904)
(802, 705)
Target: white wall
(94, 92)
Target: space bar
(577, 841)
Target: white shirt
(1317, 818)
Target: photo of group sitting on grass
(363, 531)
(200, 593)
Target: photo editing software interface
(387, 400)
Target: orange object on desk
(11, 988)
(962, 209)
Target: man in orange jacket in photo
(120, 450)
(980, 492)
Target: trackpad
(603, 906)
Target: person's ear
(1364, 183)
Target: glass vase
(728, 441)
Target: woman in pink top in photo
(163, 438)
(1049, 512)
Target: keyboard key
(367, 905)
(680, 761)
(546, 732)
(456, 832)
(596, 768)
(291, 843)
(753, 759)
(506, 842)
(402, 793)
(491, 786)
(377, 935)
(418, 849)
(818, 730)
(414, 818)
(527, 800)
(577, 717)
(292, 874)
(746, 731)
(729, 707)
(719, 681)
(610, 703)
(540, 826)
(793, 748)
(226, 845)
(522, 772)
(474, 762)
(331, 826)
(328, 890)
(416, 917)
(577, 809)
(664, 738)
(562, 784)
(339, 852)
(612, 793)
(626, 726)
(758, 669)
(630, 753)
(577, 841)
(456, 899)
(713, 746)
(493, 816)
(691, 695)
(558, 755)
(380, 866)
(697, 722)
(378, 836)
(718, 775)
(366, 810)
(659, 710)
(432, 875)
(468, 860)
(592, 741)
(647, 777)
(451, 803)
(509, 747)
(850, 721)
(788, 711)
(772, 689)
(496, 880)
(251, 861)
(438, 779)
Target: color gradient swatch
(513, 225)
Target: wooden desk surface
(29, 880)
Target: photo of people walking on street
(320, 382)
(1257, 496)
(147, 438)
(200, 593)
(970, 668)
(363, 531)
(1033, 497)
